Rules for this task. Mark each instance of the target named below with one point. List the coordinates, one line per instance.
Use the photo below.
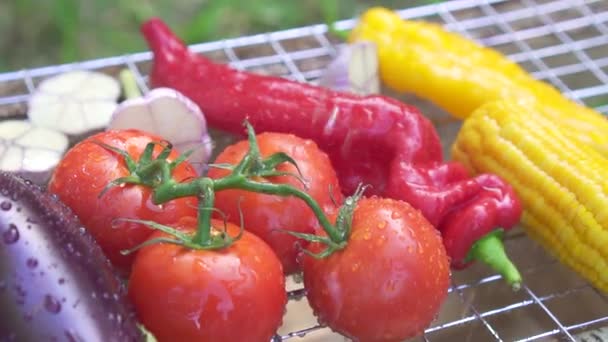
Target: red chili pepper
(374, 140)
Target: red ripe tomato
(390, 280)
(87, 168)
(233, 294)
(264, 214)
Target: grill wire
(564, 42)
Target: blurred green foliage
(42, 32)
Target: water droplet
(11, 235)
(70, 247)
(396, 215)
(111, 316)
(105, 295)
(355, 267)
(94, 295)
(32, 263)
(6, 205)
(20, 291)
(382, 225)
(61, 281)
(70, 336)
(367, 235)
(51, 304)
(82, 230)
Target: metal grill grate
(564, 42)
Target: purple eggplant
(55, 282)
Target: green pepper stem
(129, 84)
(491, 251)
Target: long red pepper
(373, 140)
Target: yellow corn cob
(459, 75)
(561, 183)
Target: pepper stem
(129, 84)
(491, 251)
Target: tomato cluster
(386, 282)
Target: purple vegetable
(55, 282)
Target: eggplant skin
(55, 282)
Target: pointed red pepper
(373, 140)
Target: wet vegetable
(55, 283)
(390, 280)
(167, 113)
(86, 170)
(29, 150)
(265, 215)
(233, 294)
(75, 102)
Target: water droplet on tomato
(11, 235)
(355, 267)
(6, 205)
(381, 224)
(51, 304)
(396, 215)
(31, 263)
(367, 235)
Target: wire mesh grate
(564, 42)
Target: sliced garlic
(74, 102)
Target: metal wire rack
(564, 42)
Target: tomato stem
(206, 198)
(249, 174)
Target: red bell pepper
(374, 140)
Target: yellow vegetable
(459, 75)
(562, 183)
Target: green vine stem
(157, 174)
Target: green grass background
(43, 32)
